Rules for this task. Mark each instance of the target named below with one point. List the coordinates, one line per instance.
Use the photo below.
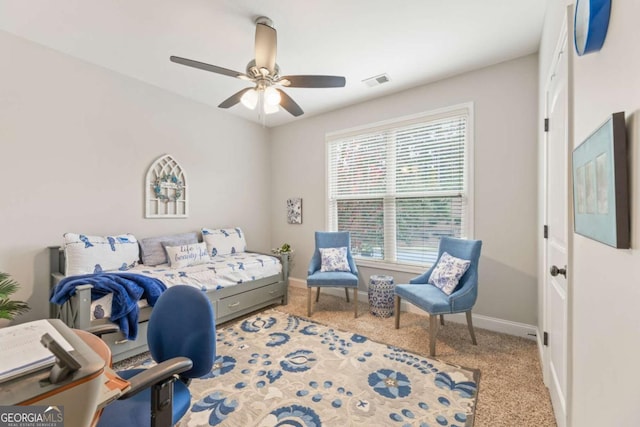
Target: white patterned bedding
(222, 271)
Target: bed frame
(228, 303)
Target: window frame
(466, 109)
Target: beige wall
(606, 326)
(77, 140)
(75, 144)
(505, 177)
(605, 337)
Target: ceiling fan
(265, 73)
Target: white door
(556, 246)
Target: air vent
(377, 80)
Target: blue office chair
(182, 340)
(323, 279)
(434, 301)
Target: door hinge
(545, 339)
(546, 125)
(545, 232)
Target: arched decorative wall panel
(166, 189)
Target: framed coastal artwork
(294, 210)
(600, 185)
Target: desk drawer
(239, 302)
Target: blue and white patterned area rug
(275, 369)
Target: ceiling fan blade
(289, 104)
(209, 67)
(266, 45)
(313, 81)
(233, 99)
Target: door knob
(555, 271)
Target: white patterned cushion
(334, 259)
(186, 255)
(224, 241)
(94, 254)
(448, 272)
(152, 249)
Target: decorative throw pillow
(95, 254)
(186, 255)
(224, 241)
(448, 272)
(152, 248)
(334, 259)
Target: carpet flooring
(275, 369)
(511, 394)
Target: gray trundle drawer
(239, 302)
(118, 344)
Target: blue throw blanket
(127, 289)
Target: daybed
(235, 280)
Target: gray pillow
(153, 253)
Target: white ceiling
(413, 41)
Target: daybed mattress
(220, 272)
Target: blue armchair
(340, 279)
(182, 340)
(434, 301)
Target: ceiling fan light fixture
(263, 72)
(270, 109)
(250, 99)
(272, 96)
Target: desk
(112, 381)
(82, 394)
(100, 347)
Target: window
(399, 186)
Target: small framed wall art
(600, 185)
(294, 210)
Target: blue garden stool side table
(381, 290)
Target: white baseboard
(480, 321)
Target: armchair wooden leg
(433, 333)
(309, 302)
(318, 294)
(470, 325)
(355, 301)
(442, 319)
(397, 311)
(346, 292)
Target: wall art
(600, 185)
(294, 210)
(166, 189)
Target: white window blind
(400, 186)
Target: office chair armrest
(100, 330)
(156, 374)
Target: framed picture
(600, 185)
(294, 210)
